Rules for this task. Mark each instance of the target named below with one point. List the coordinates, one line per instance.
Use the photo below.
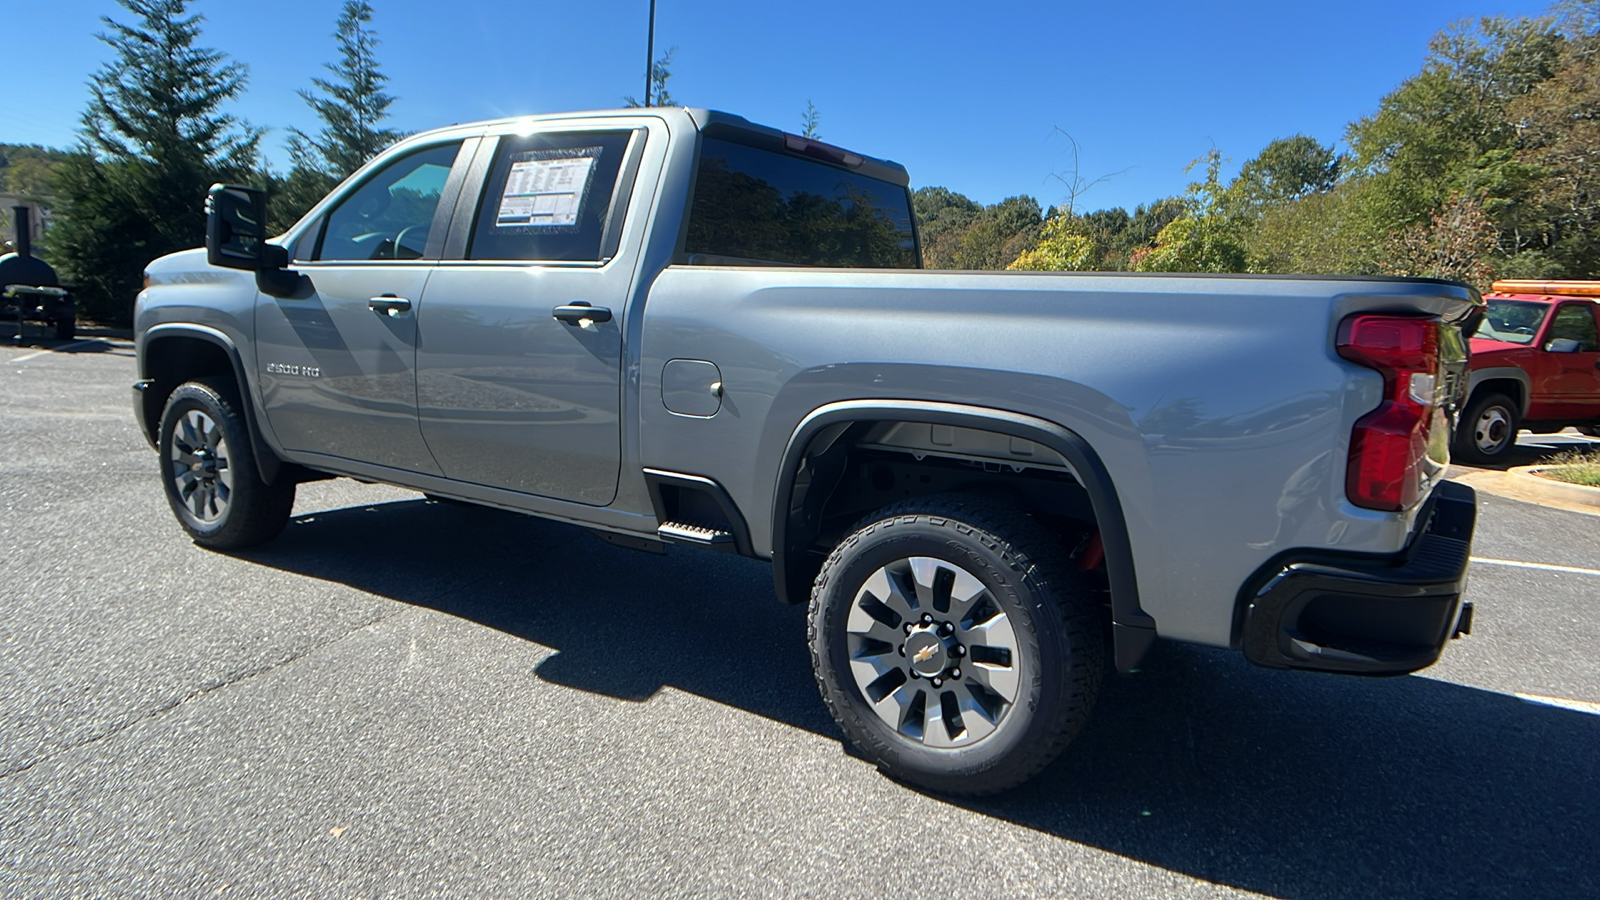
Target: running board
(698, 535)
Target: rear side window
(548, 197)
(762, 206)
(1576, 322)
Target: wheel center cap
(927, 653)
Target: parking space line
(1547, 567)
(1582, 706)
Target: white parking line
(1516, 564)
(1582, 706)
(60, 349)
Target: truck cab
(1535, 365)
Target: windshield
(1513, 321)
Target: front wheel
(210, 474)
(1488, 429)
(953, 645)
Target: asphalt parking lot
(406, 698)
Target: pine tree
(153, 139)
(354, 106)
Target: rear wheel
(1488, 429)
(953, 645)
(66, 329)
(209, 471)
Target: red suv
(1535, 365)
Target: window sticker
(546, 189)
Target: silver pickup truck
(674, 326)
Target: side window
(391, 214)
(1575, 322)
(548, 197)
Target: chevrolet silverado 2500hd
(674, 326)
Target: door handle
(577, 311)
(389, 304)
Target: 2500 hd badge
(286, 369)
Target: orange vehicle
(1535, 365)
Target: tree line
(157, 133)
(1484, 164)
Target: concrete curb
(1521, 484)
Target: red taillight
(1389, 446)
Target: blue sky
(967, 95)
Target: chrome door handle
(577, 311)
(389, 304)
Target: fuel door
(691, 387)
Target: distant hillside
(26, 168)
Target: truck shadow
(1289, 784)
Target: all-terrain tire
(208, 470)
(1057, 647)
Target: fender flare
(1133, 628)
(1502, 373)
(268, 464)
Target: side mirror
(1563, 345)
(236, 230)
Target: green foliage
(942, 217)
(660, 71)
(1205, 238)
(1000, 234)
(1443, 120)
(1319, 234)
(154, 138)
(1064, 246)
(1288, 169)
(810, 121)
(26, 168)
(352, 106)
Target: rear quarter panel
(1218, 405)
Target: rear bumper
(1367, 615)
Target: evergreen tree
(354, 106)
(154, 138)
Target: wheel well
(171, 361)
(1508, 386)
(848, 470)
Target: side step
(698, 535)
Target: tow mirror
(1563, 345)
(236, 230)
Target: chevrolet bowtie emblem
(923, 654)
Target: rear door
(338, 361)
(509, 395)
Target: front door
(1570, 382)
(510, 396)
(338, 362)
